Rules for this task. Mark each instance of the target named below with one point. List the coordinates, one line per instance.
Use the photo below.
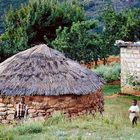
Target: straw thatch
(44, 71)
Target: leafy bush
(36, 23)
(109, 73)
(78, 42)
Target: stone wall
(44, 106)
(130, 70)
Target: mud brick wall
(130, 65)
(44, 106)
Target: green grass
(29, 128)
(114, 125)
(111, 89)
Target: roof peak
(41, 49)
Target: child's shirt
(136, 109)
(21, 110)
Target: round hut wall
(44, 106)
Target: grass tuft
(55, 119)
(29, 127)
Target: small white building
(130, 67)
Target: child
(21, 109)
(133, 112)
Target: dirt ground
(110, 60)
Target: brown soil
(112, 96)
(110, 60)
(118, 82)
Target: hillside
(4, 5)
(93, 8)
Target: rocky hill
(93, 8)
(4, 5)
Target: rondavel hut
(49, 82)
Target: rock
(71, 105)
(73, 114)
(35, 103)
(3, 109)
(1, 100)
(10, 117)
(10, 105)
(41, 111)
(46, 99)
(41, 114)
(1, 118)
(50, 110)
(43, 107)
(80, 106)
(3, 113)
(31, 110)
(67, 115)
(32, 115)
(5, 121)
(52, 102)
(47, 114)
(2, 105)
(39, 118)
(12, 109)
(80, 113)
(73, 110)
(88, 112)
(60, 105)
(30, 107)
(83, 112)
(67, 99)
(93, 112)
(10, 112)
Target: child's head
(134, 102)
(22, 100)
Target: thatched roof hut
(42, 71)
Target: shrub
(109, 73)
(78, 43)
(36, 23)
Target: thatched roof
(44, 71)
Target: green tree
(111, 26)
(36, 23)
(124, 25)
(78, 42)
